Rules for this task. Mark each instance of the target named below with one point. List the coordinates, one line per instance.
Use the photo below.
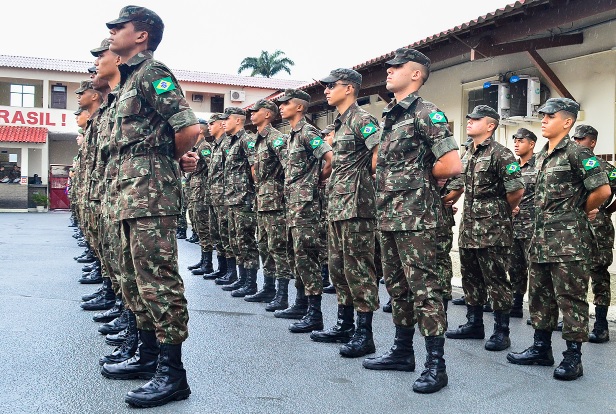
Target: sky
(215, 36)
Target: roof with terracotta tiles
(75, 66)
(11, 133)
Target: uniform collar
(404, 104)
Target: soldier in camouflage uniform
(416, 150)
(493, 188)
(154, 128)
(586, 136)
(351, 216)
(190, 191)
(226, 272)
(182, 222)
(201, 201)
(240, 202)
(303, 175)
(570, 187)
(268, 173)
(523, 219)
(328, 135)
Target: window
(217, 104)
(58, 96)
(22, 95)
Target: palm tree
(267, 65)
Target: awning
(11, 133)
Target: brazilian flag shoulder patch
(612, 175)
(226, 150)
(368, 130)
(277, 142)
(163, 85)
(513, 168)
(250, 144)
(316, 142)
(205, 152)
(590, 163)
(438, 118)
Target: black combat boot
(115, 326)
(88, 267)
(249, 287)
(231, 275)
(221, 271)
(516, 308)
(94, 277)
(117, 338)
(342, 331)
(88, 258)
(239, 282)
(473, 329)
(571, 366)
(600, 332)
(387, 307)
(266, 294)
(298, 309)
(459, 301)
(180, 233)
(98, 292)
(400, 357)
(169, 382)
(434, 377)
(206, 265)
(540, 353)
(141, 365)
(110, 314)
(103, 302)
(129, 346)
(194, 238)
(487, 307)
(281, 299)
(499, 341)
(362, 342)
(313, 320)
(198, 264)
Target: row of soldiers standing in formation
(258, 195)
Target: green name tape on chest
(513, 168)
(438, 118)
(590, 163)
(368, 130)
(163, 85)
(316, 142)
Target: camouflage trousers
(559, 286)
(378, 263)
(351, 263)
(91, 219)
(219, 229)
(242, 236)
(192, 218)
(444, 242)
(202, 221)
(151, 283)
(518, 268)
(111, 246)
(182, 223)
(272, 242)
(303, 249)
(412, 281)
(484, 272)
(323, 243)
(599, 275)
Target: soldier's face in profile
(553, 125)
(522, 146)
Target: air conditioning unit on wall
(238, 96)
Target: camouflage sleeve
(509, 171)
(314, 143)
(610, 170)
(162, 91)
(455, 183)
(248, 146)
(278, 145)
(368, 127)
(587, 166)
(434, 128)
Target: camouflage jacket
(91, 152)
(489, 171)
(80, 184)
(415, 134)
(239, 188)
(104, 127)
(455, 183)
(198, 184)
(350, 186)
(602, 224)
(216, 171)
(524, 221)
(565, 177)
(269, 154)
(151, 107)
(302, 170)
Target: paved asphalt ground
(239, 358)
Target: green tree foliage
(267, 65)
